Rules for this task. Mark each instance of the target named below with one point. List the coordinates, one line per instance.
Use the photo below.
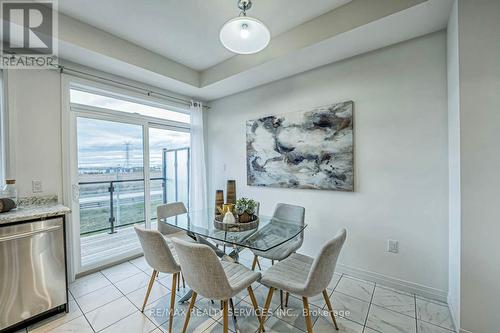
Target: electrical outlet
(392, 246)
(36, 186)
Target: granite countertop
(34, 208)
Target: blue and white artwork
(311, 149)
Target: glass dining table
(270, 233)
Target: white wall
(401, 158)
(34, 106)
(479, 45)
(454, 164)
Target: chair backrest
(169, 210)
(324, 265)
(292, 214)
(202, 270)
(156, 251)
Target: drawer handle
(28, 234)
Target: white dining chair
(305, 276)
(212, 278)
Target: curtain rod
(146, 91)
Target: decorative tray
(237, 226)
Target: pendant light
(244, 34)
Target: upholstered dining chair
(292, 214)
(162, 258)
(289, 213)
(164, 212)
(212, 278)
(305, 276)
(169, 210)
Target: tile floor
(109, 301)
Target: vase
(219, 201)
(229, 218)
(231, 192)
(244, 217)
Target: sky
(103, 143)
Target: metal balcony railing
(101, 202)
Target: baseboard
(453, 318)
(464, 331)
(395, 283)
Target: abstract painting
(311, 149)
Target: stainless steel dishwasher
(32, 271)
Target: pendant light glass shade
(244, 35)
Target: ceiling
(156, 44)
(188, 31)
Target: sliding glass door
(126, 164)
(168, 166)
(111, 187)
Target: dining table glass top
(270, 233)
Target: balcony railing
(106, 205)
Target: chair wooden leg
(266, 308)
(172, 303)
(330, 309)
(286, 299)
(151, 282)
(225, 317)
(255, 305)
(188, 314)
(307, 315)
(255, 260)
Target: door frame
(70, 114)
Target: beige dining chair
(162, 258)
(290, 214)
(164, 212)
(305, 276)
(212, 278)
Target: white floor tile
(434, 313)
(424, 327)
(78, 325)
(110, 313)
(356, 288)
(88, 284)
(141, 263)
(133, 283)
(335, 280)
(349, 307)
(157, 291)
(120, 272)
(275, 325)
(394, 301)
(294, 313)
(324, 324)
(388, 321)
(136, 323)
(98, 298)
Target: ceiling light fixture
(244, 34)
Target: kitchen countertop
(39, 209)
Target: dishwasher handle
(29, 234)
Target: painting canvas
(311, 149)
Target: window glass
(105, 102)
